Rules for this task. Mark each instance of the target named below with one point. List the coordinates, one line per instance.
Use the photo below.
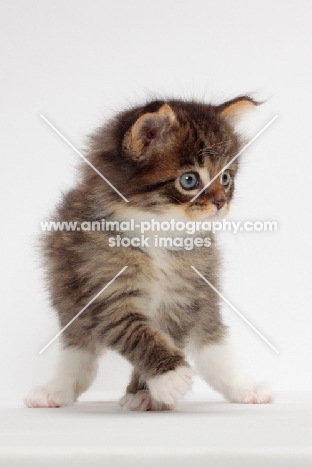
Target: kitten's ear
(233, 110)
(150, 130)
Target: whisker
(222, 146)
(170, 196)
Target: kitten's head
(161, 155)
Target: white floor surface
(200, 433)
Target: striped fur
(158, 305)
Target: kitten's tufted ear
(151, 130)
(233, 110)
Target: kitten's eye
(225, 178)
(189, 180)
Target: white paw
(42, 397)
(142, 401)
(172, 385)
(255, 392)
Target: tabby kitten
(159, 156)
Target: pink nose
(219, 202)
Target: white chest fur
(165, 287)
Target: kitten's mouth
(212, 216)
(216, 214)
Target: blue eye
(189, 180)
(225, 178)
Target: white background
(77, 62)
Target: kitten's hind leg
(220, 368)
(75, 372)
(138, 397)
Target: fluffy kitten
(159, 156)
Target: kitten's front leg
(220, 368)
(162, 365)
(139, 398)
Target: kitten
(159, 156)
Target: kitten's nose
(219, 202)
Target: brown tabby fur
(158, 304)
